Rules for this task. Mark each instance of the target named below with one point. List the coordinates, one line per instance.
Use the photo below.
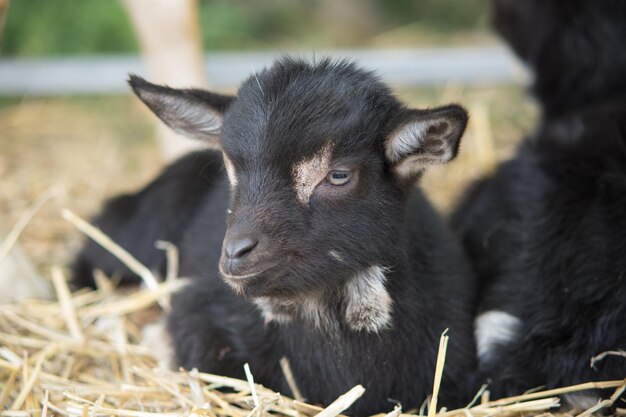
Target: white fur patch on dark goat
(336, 256)
(493, 328)
(310, 171)
(368, 303)
(275, 311)
(312, 309)
(230, 170)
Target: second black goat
(546, 232)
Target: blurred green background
(69, 27)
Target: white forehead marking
(230, 170)
(368, 303)
(309, 172)
(492, 329)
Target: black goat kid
(547, 233)
(330, 256)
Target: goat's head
(573, 47)
(320, 159)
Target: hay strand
(24, 219)
(342, 403)
(441, 359)
(250, 378)
(291, 380)
(106, 242)
(65, 302)
(44, 368)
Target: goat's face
(320, 158)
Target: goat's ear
(197, 114)
(420, 138)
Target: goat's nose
(239, 247)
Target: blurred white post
(169, 37)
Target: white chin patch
(274, 311)
(368, 304)
(156, 338)
(492, 329)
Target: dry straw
(82, 356)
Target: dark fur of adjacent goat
(339, 263)
(547, 232)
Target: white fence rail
(225, 70)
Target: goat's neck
(363, 304)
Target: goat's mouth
(242, 276)
(231, 271)
(260, 280)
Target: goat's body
(394, 365)
(216, 331)
(546, 231)
(546, 234)
(164, 210)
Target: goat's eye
(338, 177)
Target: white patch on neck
(309, 172)
(368, 306)
(368, 303)
(230, 171)
(310, 309)
(492, 329)
(275, 311)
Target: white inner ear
(368, 303)
(186, 116)
(194, 119)
(405, 140)
(410, 148)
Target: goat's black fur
(574, 48)
(314, 247)
(546, 232)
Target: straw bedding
(82, 355)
